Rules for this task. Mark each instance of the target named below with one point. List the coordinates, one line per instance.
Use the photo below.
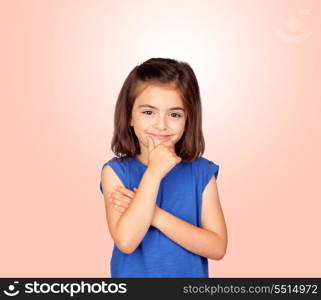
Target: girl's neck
(143, 159)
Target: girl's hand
(122, 198)
(161, 158)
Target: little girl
(173, 222)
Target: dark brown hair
(159, 71)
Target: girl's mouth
(158, 136)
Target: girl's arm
(209, 241)
(136, 220)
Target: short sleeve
(118, 168)
(208, 169)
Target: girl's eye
(179, 116)
(147, 111)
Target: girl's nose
(161, 123)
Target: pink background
(63, 64)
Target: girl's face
(158, 110)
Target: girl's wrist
(154, 173)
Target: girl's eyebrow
(173, 108)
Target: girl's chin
(156, 141)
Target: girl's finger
(120, 196)
(125, 191)
(120, 203)
(118, 208)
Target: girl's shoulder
(117, 162)
(203, 161)
(120, 159)
(205, 168)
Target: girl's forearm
(195, 239)
(136, 220)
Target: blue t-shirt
(180, 193)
